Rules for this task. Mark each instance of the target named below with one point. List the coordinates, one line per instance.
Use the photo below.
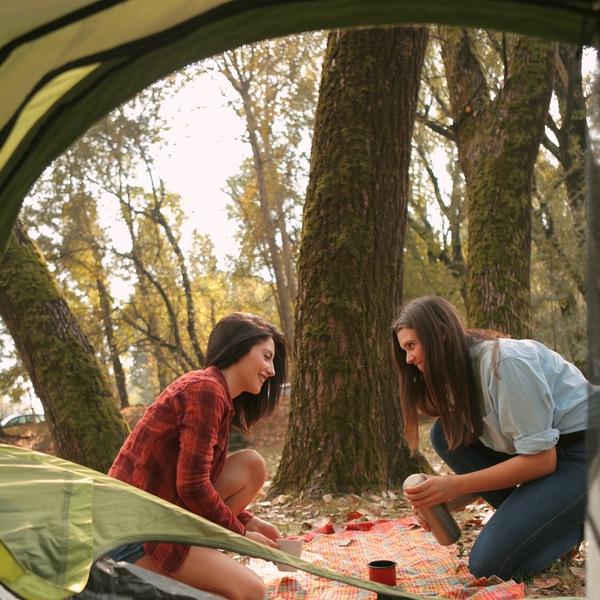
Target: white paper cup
(293, 547)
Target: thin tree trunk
(152, 283)
(115, 359)
(158, 217)
(285, 301)
(572, 138)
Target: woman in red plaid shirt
(178, 451)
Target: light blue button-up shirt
(531, 395)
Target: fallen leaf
(327, 498)
(355, 514)
(281, 499)
(545, 582)
(578, 572)
(346, 542)
(321, 522)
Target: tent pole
(592, 526)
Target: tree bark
(345, 431)
(498, 139)
(83, 417)
(109, 334)
(572, 136)
(285, 301)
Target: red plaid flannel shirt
(176, 452)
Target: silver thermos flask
(443, 525)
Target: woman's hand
(509, 473)
(262, 531)
(420, 520)
(434, 490)
(260, 538)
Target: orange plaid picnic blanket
(424, 567)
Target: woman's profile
(511, 422)
(178, 451)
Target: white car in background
(14, 420)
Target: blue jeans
(534, 523)
(129, 553)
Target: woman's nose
(409, 357)
(271, 370)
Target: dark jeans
(534, 523)
(129, 553)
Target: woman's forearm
(460, 502)
(514, 471)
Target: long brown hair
(230, 340)
(448, 388)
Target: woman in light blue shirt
(512, 416)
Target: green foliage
(274, 87)
(434, 259)
(425, 274)
(146, 297)
(103, 216)
(558, 266)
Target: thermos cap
(414, 479)
(444, 527)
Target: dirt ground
(34, 437)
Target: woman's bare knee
(243, 476)
(258, 466)
(251, 460)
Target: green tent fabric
(57, 518)
(64, 64)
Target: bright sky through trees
(205, 147)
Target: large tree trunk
(83, 417)
(498, 139)
(345, 431)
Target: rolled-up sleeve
(522, 407)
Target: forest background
(145, 287)
(188, 132)
(375, 166)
